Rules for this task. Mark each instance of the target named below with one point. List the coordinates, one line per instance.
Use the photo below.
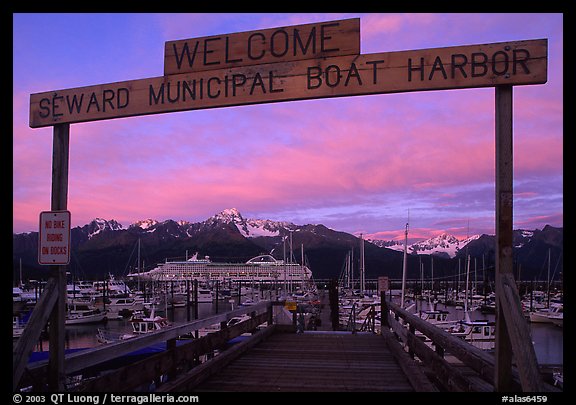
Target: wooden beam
(197, 375)
(132, 376)
(504, 221)
(60, 159)
(89, 357)
(412, 370)
(272, 45)
(52, 303)
(478, 360)
(519, 333)
(512, 330)
(32, 331)
(482, 65)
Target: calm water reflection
(548, 339)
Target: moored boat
(479, 333)
(84, 313)
(140, 325)
(546, 315)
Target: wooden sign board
(283, 44)
(290, 305)
(471, 66)
(383, 284)
(54, 238)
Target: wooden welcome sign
(285, 64)
(299, 62)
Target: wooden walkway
(313, 362)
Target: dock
(268, 354)
(313, 361)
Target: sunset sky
(355, 164)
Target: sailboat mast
(138, 264)
(467, 285)
(431, 274)
(347, 264)
(404, 266)
(548, 277)
(352, 268)
(21, 281)
(362, 269)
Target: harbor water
(548, 339)
(82, 336)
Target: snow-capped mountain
(99, 225)
(104, 246)
(145, 224)
(251, 228)
(442, 245)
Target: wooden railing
(452, 376)
(171, 362)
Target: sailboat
(480, 333)
(404, 266)
(552, 310)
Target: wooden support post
(412, 331)
(512, 330)
(196, 305)
(217, 297)
(188, 300)
(270, 311)
(383, 311)
(60, 159)
(504, 258)
(32, 331)
(171, 348)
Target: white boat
(81, 290)
(125, 305)
(558, 378)
(83, 313)
(479, 333)
(204, 295)
(556, 315)
(259, 268)
(438, 318)
(557, 319)
(140, 325)
(17, 326)
(544, 315)
(113, 287)
(216, 327)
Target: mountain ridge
(105, 246)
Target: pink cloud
(435, 147)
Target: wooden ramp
(313, 362)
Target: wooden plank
(198, 374)
(485, 65)
(31, 334)
(518, 331)
(86, 358)
(342, 362)
(132, 376)
(448, 375)
(481, 362)
(444, 372)
(478, 360)
(281, 44)
(417, 378)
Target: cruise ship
(263, 268)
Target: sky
(362, 164)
